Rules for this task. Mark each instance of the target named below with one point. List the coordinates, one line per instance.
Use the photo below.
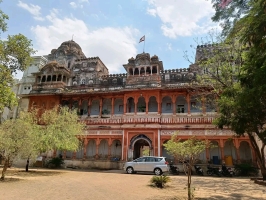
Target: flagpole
(144, 46)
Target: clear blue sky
(111, 29)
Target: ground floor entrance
(131, 144)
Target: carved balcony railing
(150, 119)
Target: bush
(55, 162)
(160, 181)
(245, 170)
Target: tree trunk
(27, 165)
(259, 154)
(6, 164)
(189, 183)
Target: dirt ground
(41, 184)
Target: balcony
(151, 119)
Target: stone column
(97, 149)
(207, 150)
(188, 104)
(89, 107)
(74, 155)
(237, 145)
(159, 101)
(101, 107)
(85, 142)
(109, 148)
(136, 103)
(125, 105)
(64, 154)
(147, 104)
(221, 144)
(80, 104)
(174, 104)
(113, 100)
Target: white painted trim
(123, 144)
(159, 142)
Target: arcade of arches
(134, 145)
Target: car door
(150, 163)
(139, 164)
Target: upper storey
(143, 65)
(69, 70)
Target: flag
(142, 39)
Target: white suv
(157, 165)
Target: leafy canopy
(15, 54)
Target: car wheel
(157, 171)
(130, 170)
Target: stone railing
(151, 119)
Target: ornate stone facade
(126, 112)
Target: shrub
(160, 181)
(55, 162)
(245, 170)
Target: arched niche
(141, 105)
(103, 149)
(91, 149)
(167, 106)
(181, 104)
(95, 107)
(130, 105)
(118, 106)
(153, 104)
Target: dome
(70, 44)
(70, 47)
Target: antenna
(72, 37)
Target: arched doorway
(140, 145)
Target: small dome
(71, 44)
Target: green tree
(31, 134)
(242, 108)
(15, 54)
(17, 139)
(187, 152)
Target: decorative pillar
(54, 153)
(80, 104)
(207, 150)
(222, 149)
(188, 104)
(135, 102)
(174, 104)
(89, 107)
(97, 149)
(237, 145)
(147, 104)
(74, 155)
(145, 69)
(64, 154)
(159, 101)
(109, 148)
(113, 107)
(101, 107)
(85, 144)
(125, 105)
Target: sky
(111, 29)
